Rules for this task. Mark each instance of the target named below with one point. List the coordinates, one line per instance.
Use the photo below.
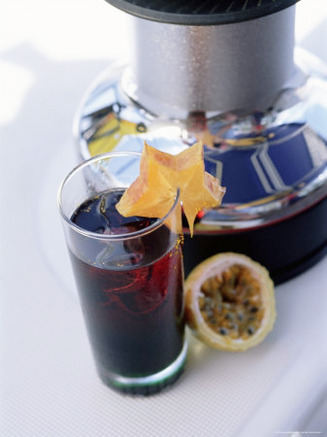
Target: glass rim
(108, 237)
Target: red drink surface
(130, 291)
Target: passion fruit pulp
(230, 302)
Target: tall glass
(129, 275)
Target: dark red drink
(131, 295)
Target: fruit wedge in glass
(121, 214)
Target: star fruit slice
(153, 193)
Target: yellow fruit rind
(261, 290)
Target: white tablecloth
(50, 52)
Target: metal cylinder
(214, 68)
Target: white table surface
(50, 52)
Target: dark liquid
(133, 307)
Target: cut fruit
(230, 302)
(140, 200)
(153, 193)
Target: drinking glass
(129, 275)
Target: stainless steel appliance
(225, 73)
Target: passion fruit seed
(231, 303)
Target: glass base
(146, 385)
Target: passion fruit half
(230, 302)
